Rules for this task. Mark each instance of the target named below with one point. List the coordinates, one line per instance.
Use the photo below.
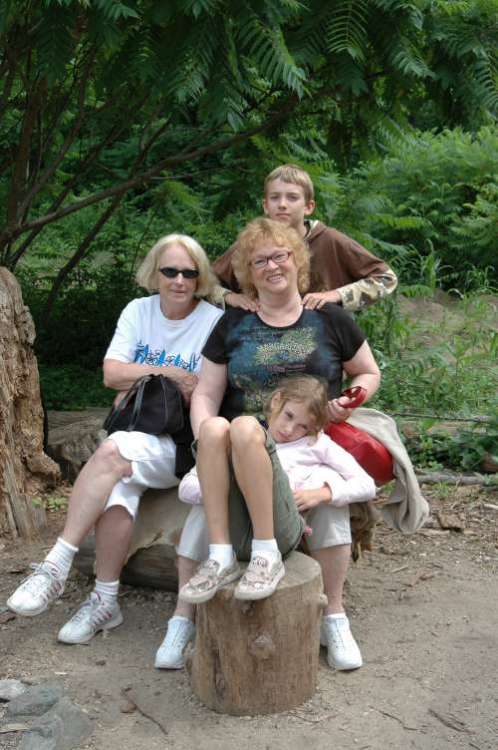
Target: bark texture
(260, 657)
(25, 470)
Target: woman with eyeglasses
(245, 357)
(163, 333)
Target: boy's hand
(240, 300)
(316, 300)
(307, 499)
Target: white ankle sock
(62, 555)
(222, 553)
(267, 547)
(107, 589)
(336, 616)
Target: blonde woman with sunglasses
(162, 333)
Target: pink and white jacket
(309, 464)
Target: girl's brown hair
(306, 390)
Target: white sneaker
(94, 614)
(37, 591)
(342, 650)
(169, 655)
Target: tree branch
(68, 140)
(186, 155)
(21, 165)
(78, 255)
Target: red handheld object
(356, 395)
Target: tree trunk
(25, 471)
(260, 657)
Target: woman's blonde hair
(304, 389)
(266, 230)
(147, 273)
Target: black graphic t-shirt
(258, 355)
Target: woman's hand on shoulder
(241, 300)
(316, 300)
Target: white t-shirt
(144, 335)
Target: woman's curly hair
(253, 236)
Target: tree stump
(25, 470)
(260, 657)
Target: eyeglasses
(277, 258)
(172, 273)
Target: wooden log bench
(152, 555)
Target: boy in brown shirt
(342, 271)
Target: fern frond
(55, 43)
(346, 30)
(268, 49)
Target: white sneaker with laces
(169, 655)
(342, 650)
(95, 614)
(37, 591)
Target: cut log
(151, 558)
(71, 443)
(260, 657)
(25, 470)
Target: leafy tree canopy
(103, 98)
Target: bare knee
(246, 432)
(107, 458)
(214, 429)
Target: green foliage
(73, 387)
(464, 450)
(431, 201)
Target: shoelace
(181, 637)
(33, 584)
(94, 604)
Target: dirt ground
(423, 608)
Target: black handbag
(153, 405)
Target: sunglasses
(172, 273)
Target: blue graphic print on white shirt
(145, 356)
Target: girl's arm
(340, 480)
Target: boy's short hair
(304, 389)
(256, 233)
(295, 175)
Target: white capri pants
(330, 525)
(153, 465)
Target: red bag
(367, 450)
